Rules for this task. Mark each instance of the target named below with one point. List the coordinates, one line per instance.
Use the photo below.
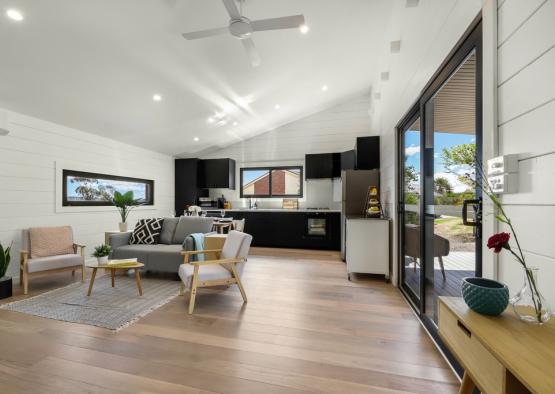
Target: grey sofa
(166, 255)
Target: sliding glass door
(439, 208)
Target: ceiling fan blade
(251, 51)
(205, 33)
(232, 9)
(285, 22)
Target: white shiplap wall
(29, 157)
(331, 130)
(526, 100)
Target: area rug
(109, 307)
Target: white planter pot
(123, 227)
(102, 260)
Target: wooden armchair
(226, 269)
(49, 250)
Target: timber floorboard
(305, 329)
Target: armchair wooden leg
(83, 274)
(239, 284)
(72, 272)
(193, 290)
(20, 276)
(25, 282)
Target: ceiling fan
(242, 28)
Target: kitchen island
(291, 228)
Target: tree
(411, 177)
(91, 189)
(460, 160)
(442, 186)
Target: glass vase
(529, 304)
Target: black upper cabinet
(186, 184)
(319, 166)
(217, 173)
(348, 160)
(368, 153)
(336, 160)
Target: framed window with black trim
(271, 182)
(88, 189)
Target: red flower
(499, 241)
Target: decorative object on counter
(194, 210)
(5, 281)
(528, 304)
(227, 205)
(124, 203)
(373, 207)
(221, 202)
(485, 296)
(101, 253)
(290, 203)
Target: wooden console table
(499, 354)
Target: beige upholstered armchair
(48, 250)
(226, 269)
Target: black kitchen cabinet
(319, 166)
(289, 229)
(348, 160)
(186, 184)
(217, 173)
(368, 153)
(336, 160)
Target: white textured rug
(109, 307)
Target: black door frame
(470, 41)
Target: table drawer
(482, 366)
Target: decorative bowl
(485, 296)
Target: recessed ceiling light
(235, 123)
(195, 139)
(14, 15)
(157, 97)
(384, 75)
(277, 106)
(304, 29)
(210, 120)
(324, 88)
(412, 3)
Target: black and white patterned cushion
(147, 231)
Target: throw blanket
(198, 239)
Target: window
(90, 189)
(268, 182)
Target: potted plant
(124, 202)
(101, 253)
(5, 281)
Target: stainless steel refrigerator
(355, 184)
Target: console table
(499, 354)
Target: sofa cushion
(191, 224)
(161, 257)
(51, 241)
(206, 272)
(147, 232)
(168, 230)
(40, 264)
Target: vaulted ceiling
(95, 66)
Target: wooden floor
(305, 329)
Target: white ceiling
(95, 65)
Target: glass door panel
(450, 151)
(410, 204)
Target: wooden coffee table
(95, 266)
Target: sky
(441, 140)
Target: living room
(238, 196)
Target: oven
(317, 225)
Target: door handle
(477, 212)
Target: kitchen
(319, 205)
